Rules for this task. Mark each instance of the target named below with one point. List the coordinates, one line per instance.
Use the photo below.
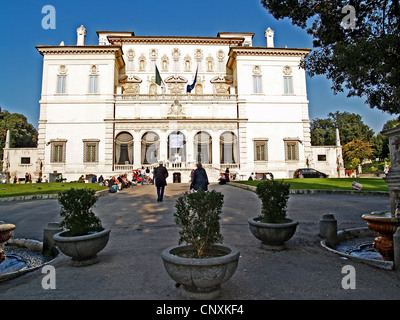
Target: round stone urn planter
(272, 235)
(82, 249)
(200, 278)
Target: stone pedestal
(48, 233)
(328, 229)
(396, 250)
(387, 223)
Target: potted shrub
(272, 227)
(203, 263)
(83, 235)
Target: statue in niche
(153, 89)
(198, 89)
(209, 65)
(164, 65)
(395, 152)
(141, 65)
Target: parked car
(308, 173)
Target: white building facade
(103, 113)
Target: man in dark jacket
(200, 179)
(160, 175)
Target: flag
(159, 81)
(191, 87)
(356, 185)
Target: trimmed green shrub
(274, 195)
(76, 211)
(198, 215)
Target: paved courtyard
(130, 266)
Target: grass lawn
(368, 184)
(13, 190)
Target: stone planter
(200, 278)
(272, 235)
(82, 249)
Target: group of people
(145, 175)
(224, 177)
(114, 184)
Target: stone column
(215, 148)
(190, 156)
(137, 149)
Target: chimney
(269, 36)
(81, 32)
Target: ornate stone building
(102, 112)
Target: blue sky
(21, 31)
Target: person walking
(143, 174)
(200, 179)
(161, 174)
(147, 175)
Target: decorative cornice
(234, 52)
(115, 40)
(263, 51)
(78, 49)
(54, 50)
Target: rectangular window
(261, 150)
(25, 160)
(90, 151)
(257, 84)
(94, 82)
(58, 152)
(291, 150)
(322, 157)
(288, 85)
(61, 84)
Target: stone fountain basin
(31, 248)
(385, 218)
(386, 225)
(6, 232)
(359, 236)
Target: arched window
(150, 148)
(203, 147)
(124, 148)
(177, 147)
(228, 147)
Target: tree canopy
(363, 59)
(22, 133)
(350, 125)
(357, 149)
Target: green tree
(22, 133)
(357, 149)
(380, 143)
(364, 59)
(350, 125)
